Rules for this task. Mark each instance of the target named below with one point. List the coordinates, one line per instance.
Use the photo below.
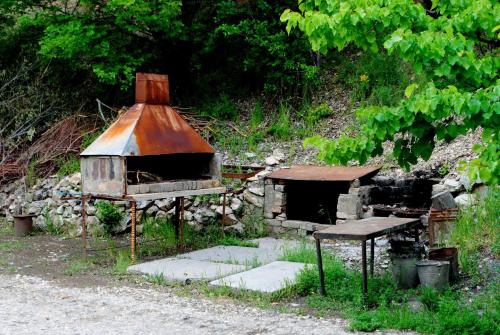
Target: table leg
(322, 289)
(176, 217)
(84, 225)
(372, 255)
(365, 279)
(181, 226)
(132, 231)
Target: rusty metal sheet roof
(324, 173)
(148, 130)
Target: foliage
(282, 127)
(476, 230)
(373, 79)
(222, 108)
(109, 215)
(453, 44)
(68, 165)
(387, 307)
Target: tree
(453, 44)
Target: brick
(279, 188)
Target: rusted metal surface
(366, 229)
(441, 223)
(148, 130)
(324, 173)
(241, 172)
(103, 175)
(152, 89)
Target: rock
(465, 199)
(279, 155)
(272, 161)
(257, 191)
(443, 200)
(77, 209)
(60, 210)
(253, 199)
(464, 180)
(164, 204)
(221, 200)
(236, 205)
(453, 185)
(228, 210)
(238, 229)
(383, 180)
(415, 305)
(75, 179)
(188, 216)
(349, 207)
(151, 211)
(36, 207)
(263, 174)
(143, 205)
(161, 215)
(250, 155)
(438, 188)
(91, 210)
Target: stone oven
(149, 150)
(305, 198)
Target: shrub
(109, 215)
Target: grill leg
(223, 219)
(364, 274)
(322, 289)
(372, 255)
(84, 225)
(176, 216)
(181, 226)
(132, 231)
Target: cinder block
(349, 205)
(279, 188)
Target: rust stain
(324, 173)
(151, 89)
(150, 127)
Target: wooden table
(362, 230)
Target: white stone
(453, 185)
(272, 161)
(257, 191)
(465, 199)
(220, 209)
(236, 204)
(279, 155)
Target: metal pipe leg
(181, 225)
(84, 225)
(176, 217)
(322, 289)
(223, 219)
(364, 274)
(132, 231)
(372, 255)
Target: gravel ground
(31, 305)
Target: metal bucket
(404, 269)
(23, 224)
(450, 255)
(434, 274)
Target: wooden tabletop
(366, 229)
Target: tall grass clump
(477, 229)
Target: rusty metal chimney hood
(150, 127)
(150, 152)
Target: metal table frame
(342, 233)
(133, 198)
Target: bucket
(23, 224)
(450, 255)
(434, 274)
(404, 269)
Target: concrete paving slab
(175, 269)
(269, 278)
(276, 243)
(248, 256)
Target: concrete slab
(269, 278)
(276, 243)
(247, 256)
(184, 270)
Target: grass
(478, 229)
(78, 265)
(448, 312)
(11, 245)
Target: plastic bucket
(450, 255)
(434, 274)
(23, 224)
(404, 269)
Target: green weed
(12, 245)
(231, 240)
(122, 262)
(68, 165)
(109, 214)
(477, 229)
(281, 128)
(157, 279)
(78, 266)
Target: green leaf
(409, 90)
